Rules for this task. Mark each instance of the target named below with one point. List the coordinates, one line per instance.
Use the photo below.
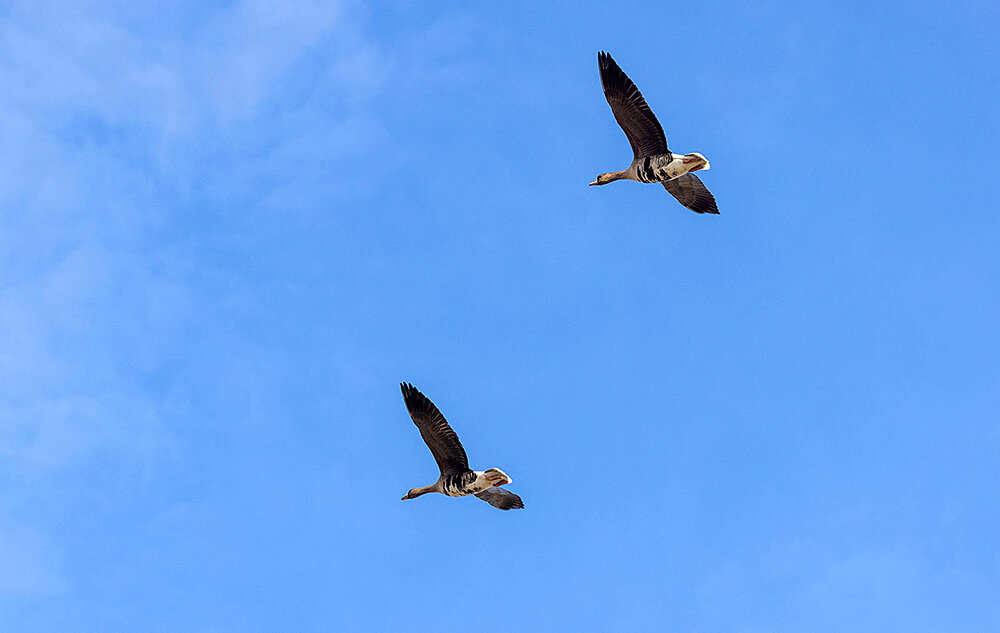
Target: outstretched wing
(692, 193)
(644, 132)
(501, 498)
(437, 434)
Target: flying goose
(653, 162)
(456, 479)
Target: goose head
(694, 162)
(604, 179)
(416, 492)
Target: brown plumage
(644, 132)
(500, 498)
(456, 478)
(692, 193)
(437, 433)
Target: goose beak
(593, 183)
(405, 497)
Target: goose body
(663, 167)
(456, 478)
(469, 482)
(652, 161)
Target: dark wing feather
(644, 132)
(500, 498)
(437, 434)
(692, 193)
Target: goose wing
(644, 132)
(500, 498)
(692, 193)
(437, 434)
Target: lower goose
(456, 479)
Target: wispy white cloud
(104, 128)
(118, 129)
(108, 128)
(239, 57)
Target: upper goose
(456, 479)
(652, 161)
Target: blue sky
(229, 230)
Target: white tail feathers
(497, 477)
(706, 166)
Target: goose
(456, 479)
(652, 161)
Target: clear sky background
(230, 229)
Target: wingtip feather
(411, 395)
